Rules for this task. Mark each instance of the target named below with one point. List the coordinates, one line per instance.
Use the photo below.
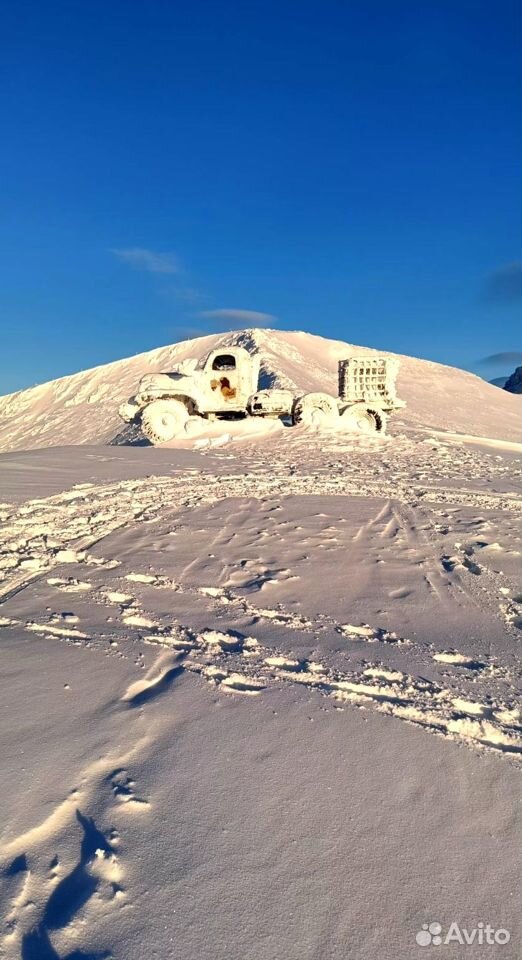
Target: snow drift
(82, 408)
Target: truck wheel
(364, 420)
(163, 420)
(314, 409)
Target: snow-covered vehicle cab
(220, 386)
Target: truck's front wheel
(163, 420)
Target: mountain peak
(513, 383)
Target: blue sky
(351, 168)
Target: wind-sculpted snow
(180, 648)
(82, 408)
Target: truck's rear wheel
(364, 420)
(163, 420)
(315, 409)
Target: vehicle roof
(234, 349)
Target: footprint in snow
(69, 585)
(133, 619)
(451, 564)
(233, 682)
(230, 642)
(371, 634)
(459, 660)
(153, 579)
(49, 629)
(123, 789)
(116, 596)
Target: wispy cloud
(507, 359)
(240, 318)
(168, 263)
(150, 260)
(505, 284)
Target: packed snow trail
(61, 531)
(38, 534)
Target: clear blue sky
(351, 168)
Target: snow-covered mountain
(513, 383)
(82, 408)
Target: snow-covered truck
(225, 385)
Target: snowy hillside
(82, 408)
(260, 701)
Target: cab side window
(224, 362)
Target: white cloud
(149, 260)
(251, 318)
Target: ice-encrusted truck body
(225, 385)
(222, 384)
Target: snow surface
(260, 699)
(83, 408)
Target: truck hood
(158, 381)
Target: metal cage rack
(367, 378)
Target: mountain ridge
(82, 407)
